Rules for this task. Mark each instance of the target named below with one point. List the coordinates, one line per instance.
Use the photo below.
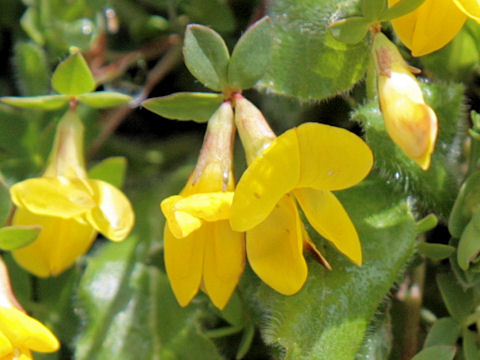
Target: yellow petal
(6, 346)
(268, 178)
(471, 8)
(331, 158)
(436, 22)
(180, 223)
(186, 214)
(59, 244)
(224, 262)
(184, 263)
(60, 197)
(113, 216)
(275, 249)
(24, 331)
(327, 215)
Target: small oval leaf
(15, 237)
(371, 9)
(251, 55)
(111, 170)
(436, 353)
(45, 102)
(104, 99)
(445, 331)
(466, 204)
(206, 56)
(458, 301)
(198, 107)
(73, 77)
(350, 31)
(435, 252)
(469, 244)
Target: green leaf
(435, 252)
(198, 107)
(350, 31)
(73, 77)
(129, 309)
(436, 353)
(15, 237)
(5, 203)
(377, 344)
(372, 9)
(466, 204)
(458, 301)
(32, 69)
(329, 317)
(206, 56)
(445, 331)
(307, 61)
(401, 8)
(111, 170)
(251, 55)
(104, 99)
(470, 348)
(469, 244)
(45, 102)
(435, 189)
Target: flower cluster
(20, 333)
(69, 207)
(207, 222)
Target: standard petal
(58, 245)
(24, 331)
(275, 249)
(471, 8)
(268, 178)
(331, 158)
(184, 263)
(113, 216)
(58, 196)
(224, 262)
(327, 215)
(437, 24)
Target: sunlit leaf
(350, 31)
(15, 237)
(206, 56)
(46, 102)
(198, 107)
(73, 77)
(104, 99)
(251, 55)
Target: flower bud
(411, 123)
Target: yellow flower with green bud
(69, 207)
(411, 123)
(201, 249)
(302, 166)
(19, 333)
(434, 23)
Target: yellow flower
(19, 333)
(434, 23)
(201, 250)
(69, 207)
(306, 163)
(411, 123)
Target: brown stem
(161, 69)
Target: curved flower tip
(433, 24)
(20, 333)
